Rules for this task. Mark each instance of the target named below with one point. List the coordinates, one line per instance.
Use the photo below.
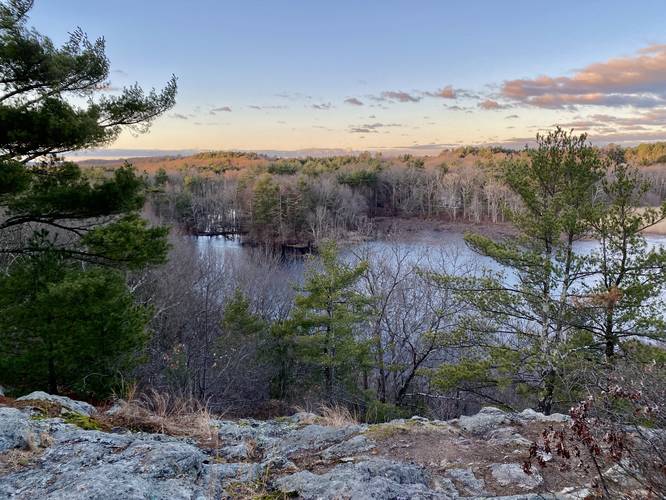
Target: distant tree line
(304, 201)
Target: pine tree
(622, 296)
(64, 330)
(67, 320)
(522, 320)
(324, 320)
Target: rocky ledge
(60, 454)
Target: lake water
(436, 250)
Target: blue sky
(286, 68)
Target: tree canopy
(68, 321)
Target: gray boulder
(315, 437)
(15, 429)
(507, 436)
(371, 479)
(530, 415)
(354, 446)
(90, 464)
(487, 419)
(514, 475)
(467, 482)
(72, 405)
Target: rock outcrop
(300, 456)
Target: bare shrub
(618, 433)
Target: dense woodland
(301, 202)
(95, 297)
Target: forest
(297, 203)
(103, 287)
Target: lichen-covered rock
(303, 417)
(507, 436)
(415, 458)
(92, 464)
(530, 415)
(277, 441)
(72, 405)
(467, 482)
(514, 475)
(487, 419)
(353, 446)
(238, 452)
(15, 429)
(315, 437)
(371, 479)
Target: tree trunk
(545, 405)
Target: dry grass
(331, 416)
(337, 416)
(255, 490)
(161, 412)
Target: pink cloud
(489, 104)
(447, 92)
(638, 80)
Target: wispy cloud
(372, 128)
(655, 118)
(638, 80)
(222, 109)
(354, 101)
(179, 116)
(398, 96)
(325, 106)
(294, 96)
(258, 107)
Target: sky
(385, 74)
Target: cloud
(294, 96)
(372, 128)
(490, 104)
(638, 81)
(255, 106)
(653, 120)
(398, 96)
(323, 106)
(179, 116)
(223, 109)
(354, 101)
(511, 117)
(447, 92)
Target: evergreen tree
(622, 296)
(64, 330)
(65, 322)
(324, 320)
(521, 322)
(38, 121)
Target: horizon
(288, 77)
